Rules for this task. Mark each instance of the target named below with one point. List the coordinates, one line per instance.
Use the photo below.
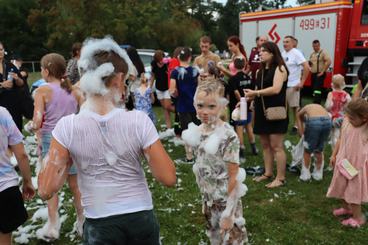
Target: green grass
(298, 213)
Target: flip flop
(341, 211)
(276, 183)
(354, 223)
(262, 178)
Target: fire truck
(340, 26)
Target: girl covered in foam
(216, 167)
(107, 146)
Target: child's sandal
(341, 211)
(354, 223)
(262, 178)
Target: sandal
(262, 178)
(354, 223)
(341, 211)
(276, 183)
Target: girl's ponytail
(66, 84)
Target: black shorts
(187, 117)
(12, 211)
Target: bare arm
(237, 95)
(306, 71)
(23, 163)
(232, 169)
(173, 90)
(39, 107)
(327, 61)
(300, 120)
(55, 171)
(328, 103)
(160, 163)
(335, 151)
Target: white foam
(111, 158)
(192, 135)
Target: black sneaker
(254, 149)
(294, 130)
(242, 155)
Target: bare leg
(188, 152)
(319, 158)
(357, 211)
(165, 103)
(239, 131)
(73, 185)
(277, 146)
(5, 238)
(295, 112)
(307, 159)
(53, 206)
(250, 134)
(267, 157)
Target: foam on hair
(95, 55)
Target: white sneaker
(50, 231)
(318, 174)
(305, 174)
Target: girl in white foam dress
(216, 167)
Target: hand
(7, 84)
(320, 74)
(28, 190)
(226, 224)
(298, 87)
(300, 132)
(14, 75)
(332, 160)
(250, 94)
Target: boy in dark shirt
(237, 84)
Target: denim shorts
(134, 228)
(243, 122)
(317, 130)
(45, 146)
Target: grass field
(297, 213)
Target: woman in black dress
(10, 83)
(271, 86)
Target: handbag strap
(263, 104)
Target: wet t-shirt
(107, 151)
(161, 77)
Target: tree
(15, 32)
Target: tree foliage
(34, 27)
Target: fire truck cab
(340, 26)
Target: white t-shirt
(294, 60)
(107, 152)
(9, 135)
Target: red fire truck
(340, 26)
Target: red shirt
(254, 62)
(173, 63)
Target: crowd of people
(94, 121)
